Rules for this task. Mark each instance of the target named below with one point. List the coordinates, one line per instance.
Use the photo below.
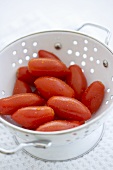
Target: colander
(96, 61)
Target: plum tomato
(58, 125)
(77, 80)
(47, 54)
(9, 105)
(34, 116)
(47, 67)
(93, 96)
(69, 108)
(51, 86)
(24, 75)
(21, 87)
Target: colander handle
(107, 39)
(38, 144)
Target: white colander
(96, 60)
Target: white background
(20, 17)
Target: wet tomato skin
(34, 116)
(47, 67)
(93, 96)
(21, 87)
(57, 125)
(69, 108)
(9, 105)
(24, 75)
(47, 54)
(51, 86)
(77, 80)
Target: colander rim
(89, 122)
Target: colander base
(72, 150)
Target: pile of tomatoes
(49, 96)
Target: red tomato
(21, 87)
(46, 54)
(69, 108)
(77, 80)
(47, 67)
(24, 75)
(34, 116)
(10, 104)
(93, 96)
(58, 125)
(51, 86)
